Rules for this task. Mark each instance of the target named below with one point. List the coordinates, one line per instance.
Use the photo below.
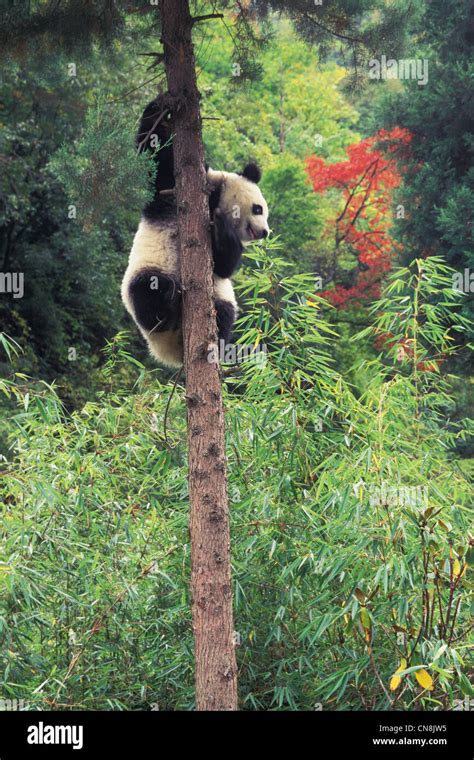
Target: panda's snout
(256, 233)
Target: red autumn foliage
(404, 351)
(367, 180)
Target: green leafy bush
(104, 172)
(349, 521)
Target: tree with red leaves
(362, 225)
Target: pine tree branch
(332, 32)
(206, 17)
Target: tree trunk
(216, 673)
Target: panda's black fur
(151, 288)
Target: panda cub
(151, 288)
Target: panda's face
(242, 200)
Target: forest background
(349, 448)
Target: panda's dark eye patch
(256, 209)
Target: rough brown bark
(216, 673)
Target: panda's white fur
(238, 195)
(155, 246)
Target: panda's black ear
(253, 173)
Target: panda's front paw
(219, 220)
(226, 248)
(225, 233)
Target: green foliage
(349, 524)
(438, 191)
(104, 173)
(295, 211)
(350, 513)
(356, 29)
(295, 108)
(37, 24)
(71, 276)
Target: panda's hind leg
(156, 299)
